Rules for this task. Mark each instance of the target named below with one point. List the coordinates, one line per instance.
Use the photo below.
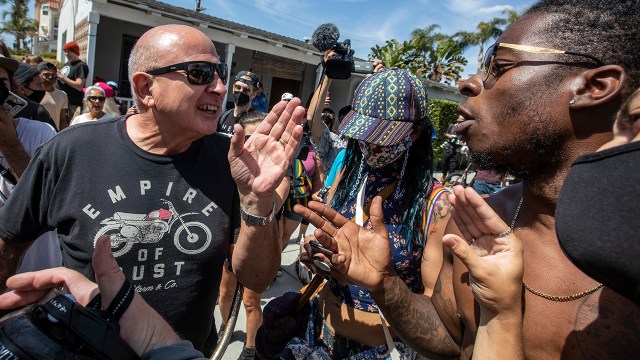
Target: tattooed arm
(427, 323)
(418, 319)
(424, 324)
(432, 254)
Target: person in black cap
(19, 139)
(245, 88)
(29, 86)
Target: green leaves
(16, 21)
(442, 114)
(438, 56)
(428, 54)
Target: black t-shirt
(597, 217)
(171, 218)
(73, 70)
(35, 111)
(227, 120)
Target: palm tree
(445, 61)
(393, 54)
(511, 15)
(16, 21)
(485, 31)
(424, 42)
(424, 39)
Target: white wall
(68, 10)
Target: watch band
(255, 219)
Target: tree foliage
(17, 23)
(438, 56)
(428, 54)
(393, 54)
(442, 114)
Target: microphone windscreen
(325, 37)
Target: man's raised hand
(259, 164)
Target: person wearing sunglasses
(171, 194)
(245, 89)
(548, 93)
(94, 99)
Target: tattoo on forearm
(416, 321)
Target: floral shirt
(405, 260)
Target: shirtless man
(532, 114)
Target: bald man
(170, 193)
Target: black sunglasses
(94, 98)
(487, 62)
(198, 72)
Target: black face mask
(240, 98)
(36, 95)
(597, 217)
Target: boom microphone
(325, 37)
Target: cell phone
(317, 247)
(14, 104)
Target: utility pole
(198, 8)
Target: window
(45, 9)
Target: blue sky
(365, 22)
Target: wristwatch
(255, 219)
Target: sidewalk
(288, 280)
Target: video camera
(60, 328)
(324, 38)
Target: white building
(46, 15)
(106, 31)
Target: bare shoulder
(601, 321)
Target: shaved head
(165, 45)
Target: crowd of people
(543, 269)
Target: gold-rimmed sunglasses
(487, 62)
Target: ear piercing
(572, 101)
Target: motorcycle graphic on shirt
(126, 229)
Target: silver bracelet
(255, 219)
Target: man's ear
(142, 88)
(19, 89)
(598, 86)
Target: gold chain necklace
(564, 298)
